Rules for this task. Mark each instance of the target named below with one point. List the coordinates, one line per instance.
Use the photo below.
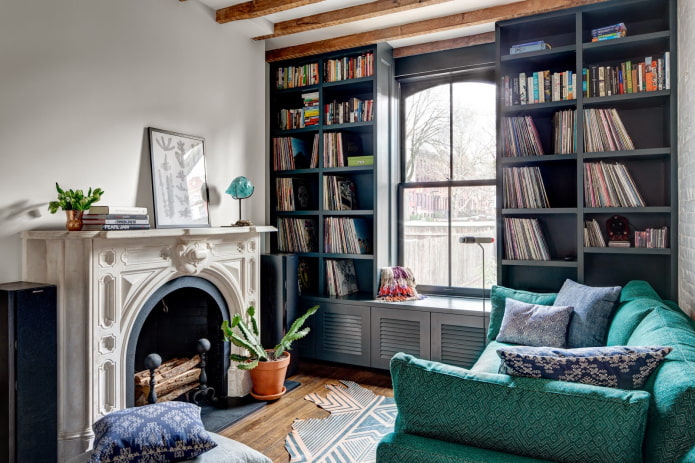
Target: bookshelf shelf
(649, 120)
(343, 206)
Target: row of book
(294, 153)
(341, 277)
(296, 235)
(565, 131)
(524, 188)
(346, 235)
(339, 146)
(339, 193)
(293, 194)
(297, 76)
(520, 137)
(524, 239)
(610, 185)
(604, 131)
(311, 108)
(648, 75)
(102, 218)
(593, 238)
(349, 67)
(353, 110)
(538, 87)
(652, 238)
(614, 31)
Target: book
(130, 210)
(90, 221)
(354, 161)
(101, 217)
(530, 46)
(107, 227)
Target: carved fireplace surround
(103, 280)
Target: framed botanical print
(179, 186)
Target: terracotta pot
(74, 220)
(268, 378)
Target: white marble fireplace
(103, 280)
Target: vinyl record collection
(341, 277)
(524, 240)
(296, 235)
(604, 131)
(347, 235)
(610, 185)
(524, 188)
(338, 193)
(520, 137)
(593, 238)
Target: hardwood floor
(266, 429)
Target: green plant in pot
(268, 367)
(74, 203)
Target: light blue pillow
(167, 432)
(534, 324)
(624, 367)
(593, 307)
(498, 297)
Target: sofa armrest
(538, 418)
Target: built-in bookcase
(648, 117)
(340, 143)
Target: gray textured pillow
(593, 307)
(534, 325)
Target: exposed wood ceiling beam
(444, 23)
(346, 15)
(257, 8)
(440, 45)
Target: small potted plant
(74, 203)
(268, 367)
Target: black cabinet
(28, 373)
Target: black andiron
(203, 392)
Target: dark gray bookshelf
(650, 118)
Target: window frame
(476, 73)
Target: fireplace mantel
(103, 279)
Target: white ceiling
(263, 26)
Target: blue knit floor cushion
(624, 367)
(164, 432)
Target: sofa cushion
(671, 425)
(626, 318)
(489, 361)
(498, 298)
(168, 431)
(534, 324)
(593, 307)
(522, 416)
(638, 289)
(616, 366)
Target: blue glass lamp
(240, 188)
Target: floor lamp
(479, 240)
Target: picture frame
(179, 185)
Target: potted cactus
(268, 367)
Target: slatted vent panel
(461, 345)
(342, 333)
(398, 336)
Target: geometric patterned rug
(359, 419)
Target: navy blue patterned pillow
(165, 432)
(534, 324)
(624, 367)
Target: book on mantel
(126, 210)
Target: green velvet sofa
(455, 415)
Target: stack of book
(311, 108)
(593, 238)
(520, 137)
(100, 218)
(614, 31)
(296, 235)
(524, 240)
(346, 235)
(610, 185)
(618, 243)
(524, 188)
(604, 131)
(339, 193)
(341, 277)
(652, 238)
(565, 131)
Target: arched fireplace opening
(171, 322)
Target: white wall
(81, 80)
(686, 156)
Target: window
(447, 187)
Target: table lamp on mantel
(240, 188)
